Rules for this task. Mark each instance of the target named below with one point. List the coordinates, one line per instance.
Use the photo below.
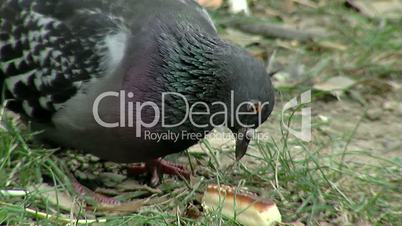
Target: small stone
(391, 144)
(390, 105)
(84, 175)
(97, 166)
(73, 164)
(70, 155)
(85, 166)
(374, 114)
(81, 175)
(91, 176)
(80, 158)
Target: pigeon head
(252, 94)
(202, 68)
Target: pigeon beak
(244, 135)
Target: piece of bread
(247, 207)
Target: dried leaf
(335, 85)
(288, 6)
(192, 212)
(331, 45)
(55, 197)
(211, 4)
(284, 80)
(259, 53)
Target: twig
(275, 30)
(278, 31)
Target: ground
(348, 174)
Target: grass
(325, 181)
(307, 185)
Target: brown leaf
(212, 4)
(335, 85)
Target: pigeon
(127, 81)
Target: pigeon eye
(254, 106)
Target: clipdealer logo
(131, 113)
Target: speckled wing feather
(50, 49)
